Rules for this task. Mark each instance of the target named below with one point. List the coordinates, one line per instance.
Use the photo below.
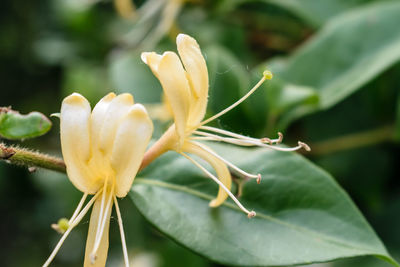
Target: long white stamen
(252, 142)
(242, 172)
(249, 213)
(121, 230)
(233, 141)
(214, 137)
(103, 223)
(239, 136)
(78, 208)
(71, 226)
(266, 75)
(103, 197)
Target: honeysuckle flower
(102, 150)
(185, 84)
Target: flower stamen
(213, 137)
(78, 208)
(66, 222)
(249, 142)
(243, 137)
(235, 135)
(273, 141)
(102, 205)
(242, 172)
(73, 223)
(121, 230)
(267, 75)
(103, 220)
(250, 214)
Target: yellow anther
(305, 146)
(61, 226)
(266, 140)
(259, 179)
(251, 214)
(267, 74)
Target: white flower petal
(169, 70)
(75, 141)
(176, 88)
(196, 67)
(97, 120)
(132, 137)
(117, 109)
(98, 116)
(152, 59)
(220, 168)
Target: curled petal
(131, 140)
(196, 69)
(172, 77)
(116, 111)
(219, 166)
(75, 142)
(152, 59)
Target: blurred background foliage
(336, 86)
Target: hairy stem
(27, 158)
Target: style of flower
(185, 85)
(102, 150)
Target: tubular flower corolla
(102, 150)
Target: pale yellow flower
(102, 150)
(185, 83)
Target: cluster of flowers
(104, 149)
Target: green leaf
(316, 12)
(16, 126)
(303, 216)
(313, 12)
(350, 51)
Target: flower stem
(27, 158)
(162, 145)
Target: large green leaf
(350, 51)
(14, 125)
(303, 215)
(316, 12)
(313, 12)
